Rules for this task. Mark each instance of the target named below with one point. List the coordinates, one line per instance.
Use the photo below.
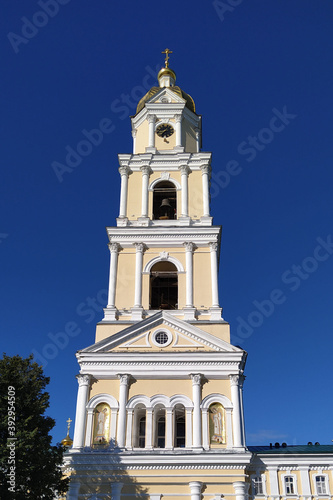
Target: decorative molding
(102, 398)
(140, 247)
(114, 247)
(213, 246)
(146, 170)
(165, 176)
(124, 378)
(164, 255)
(154, 261)
(83, 379)
(124, 170)
(189, 246)
(196, 378)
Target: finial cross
(167, 52)
(69, 421)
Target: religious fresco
(216, 424)
(101, 424)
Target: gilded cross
(69, 421)
(167, 52)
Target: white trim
(283, 481)
(139, 399)
(154, 261)
(216, 398)
(160, 179)
(327, 484)
(102, 398)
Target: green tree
(25, 442)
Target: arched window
(139, 428)
(164, 201)
(163, 286)
(159, 440)
(180, 426)
(101, 429)
(216, 422)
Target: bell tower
(164, 242)
(159, 407)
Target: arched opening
(180, 426)
(101, 425)
(163, 286)
(164, 201)
(216, 422)
(139, 427)
(159, 438)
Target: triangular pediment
(162, 332)
(166, 95)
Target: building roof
(295, 449)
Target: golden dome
(67, 441)
(177, 90)
(166, 71)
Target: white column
(273, 482)
(189, 247)
(113, 425)
(129, 428)
(124, 172)
(73, 491)
(241, 383)
(178, 120)
(149, 428)
(240, 489)
(214, 274)
(236, 412)
(197, 425)
(134, 139)
(90, 421)
(205, 170)
(123, 394)
(145, 182)
(305, 482)
(196, 488)
(169, 428)
(197, 137)
(205, 429)
(230, 441)
(116, 490)
(151, 133)
(80, 418)
(114, 249)
(184, 170)
(140, 248)
(188, 427)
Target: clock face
(164, 130)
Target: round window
(161, 338)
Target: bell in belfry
(166, 210)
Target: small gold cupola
(67, 441)
(166, 76)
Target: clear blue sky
(243, 67)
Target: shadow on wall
(98, 473)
